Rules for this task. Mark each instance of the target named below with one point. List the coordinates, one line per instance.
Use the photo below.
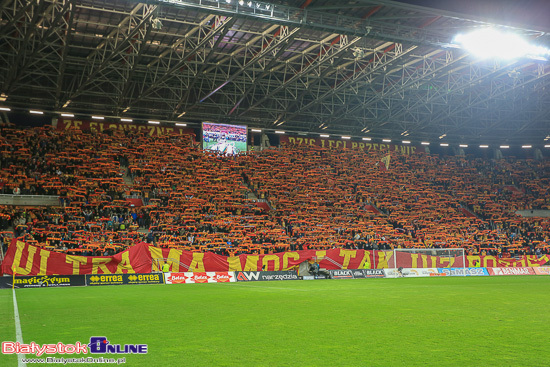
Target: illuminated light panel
(406, 141)
(256, 130)
(67, 115)
(526, 146)
(35, 112)
(484, 146)
(346, 137)
(504, 146)
(463, 145)
(279, 132)
(153, 122)
(98, 117)
(5, 109)
(490, 43)
(126, 120)
(367, 139)
(325, 136)
(386, 140)
(425, 143)
(180, 124)
(444, 144)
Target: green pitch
(240, 145)
(485, 321)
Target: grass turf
(481, 321)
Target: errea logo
(94, 278)
(132, 278)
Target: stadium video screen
(224, 139)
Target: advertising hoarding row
(39, 281)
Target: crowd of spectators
(319, 198)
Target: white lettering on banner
(512, 271)
(252, 275)
(542, 270)
(463, 271)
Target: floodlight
(386, 140)
(325, 136)
(491, 43)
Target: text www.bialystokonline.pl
(74, 360)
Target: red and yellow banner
(25, 259)
(348, 144)
(151, 130)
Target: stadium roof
(353, 67)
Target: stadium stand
(317, 198)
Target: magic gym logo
(97, 345)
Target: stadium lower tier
(26, 259)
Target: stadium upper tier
(317, 198)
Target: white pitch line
(18, 333)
